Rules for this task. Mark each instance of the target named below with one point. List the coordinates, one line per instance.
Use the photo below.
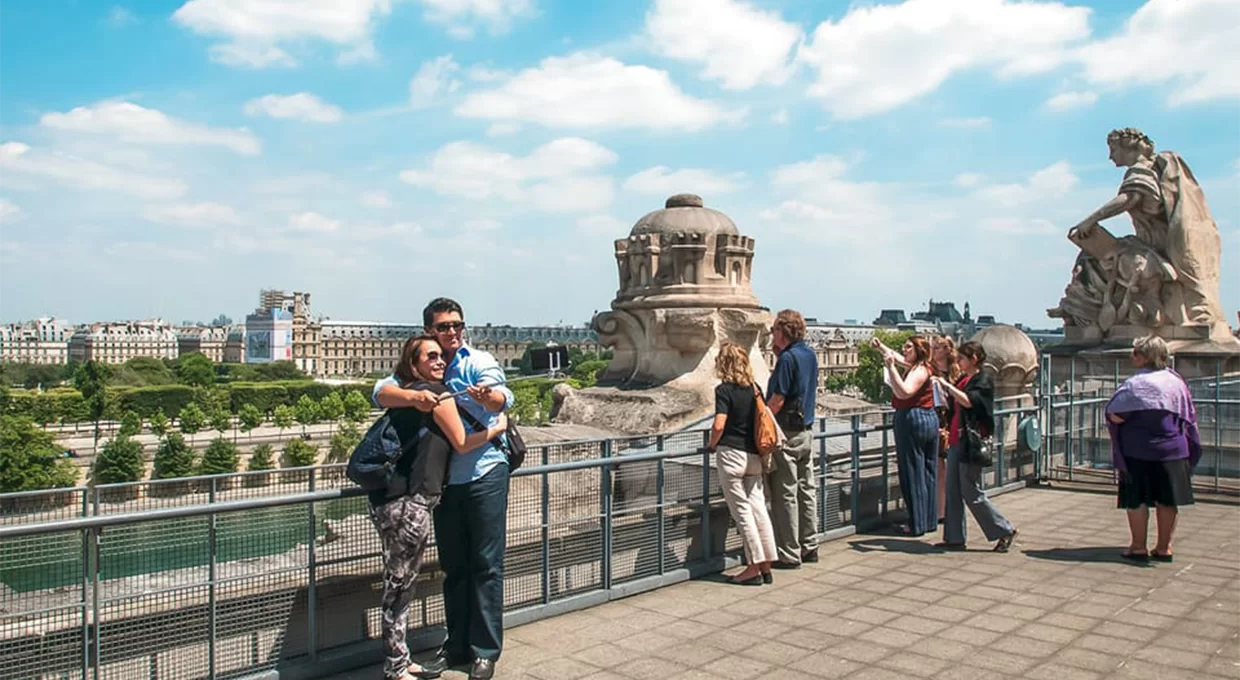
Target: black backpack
(374, 460)
(511, 442)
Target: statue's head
(1128, 145)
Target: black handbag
(977, 449)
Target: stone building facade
(209, 341)
(118, 342)
(41, 341)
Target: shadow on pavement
(905, 545)
(1094, 554)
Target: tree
(91, 379)
(192, 420)
(306, 412)
(587, 372)
(299, 453)
(869, 374)
(356, 408)
(143, 372)
(31, 459)
(131, 425)
(343, 442)
(331, 408)
(283, 417)
(121, 461)
(220, 458)
(525, 403)
(221, 421)
(158, 423)
(173, 458)
(196, 369)
(526, 365)
(250, 417)
(260, 459)
(279, 370)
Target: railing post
(605, 500)
(211, 576)
(886, 492)
(96, 539)
(855, 424)
(820, 471)
(660, 498)
(1068, 424)
(705, 527)
(545, 502)
(1218, 420)
(312, 633)
(999, 457)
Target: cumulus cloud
(591, 91)
(1066, 101)
(1189, 47)
(736, 43)
(433, 79)
(879, 57)
(193, 214)
(559, 176)
(1053, 180)
(663, 181)
(460, 16)
(965, 123)
(312, 222)
(255, 29)
(816, 200)
(19, 159)
(302, 106)
(967, 179)
(9, 211)
(128, 122)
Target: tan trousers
(740, 476)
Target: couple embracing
(455, 473)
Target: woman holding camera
(916, 428)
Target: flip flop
(1162, 557)
(1136, 557)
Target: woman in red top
(916, 428)
(974, 397)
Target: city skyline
(162, 155)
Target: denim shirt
(468, 368)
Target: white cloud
(376, 199)
(967, 179)
(9, 211)
(780, 117)
(459, 15)
(555, 177)
(1189, 46)
(879, 57)
(433, 79)
(302, 106)
(119, 17)
(254, 29)
(129, 122)
(19, 158)
(312, 222)
(965, 123)
(662, 181)
(363, 52)
(194, 214)
(1066, 101)
(482, 74)
(503, 129)
(591, 91)
(818, 202)
(1054, 180)
(736, 43)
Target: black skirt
(1155, 482)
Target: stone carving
(1165, 278)
(684, 289)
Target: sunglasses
(432, 356)
(446, 326)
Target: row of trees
(193, 369)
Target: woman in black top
(739, 466)
(402, 512)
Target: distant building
(118, 342)
(281, 329)
(42, 341)
(890, 317)
(209, 341)
(268, 336)
(234, 345)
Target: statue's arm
(1122, 203)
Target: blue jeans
(471, 528)
(917, 453)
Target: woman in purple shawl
(1154, 447)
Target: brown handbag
(766, 432)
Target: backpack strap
(476, 425)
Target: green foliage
(586, 373)
(250, 417)
(192, 419)
(221, 457)
(262, 458)
(221, 421)
(869, 374)
(195, 369)
(31, 459)
(143, 372)
(299, 453)
(120, 461)
(343, 442)
(283, 417)
(532, 401)
(331, 407)
(356, 407)
(279, 370)
(158, 423)
(131, 425)
(91, 380)
(306, 412)
(30, 375)
(173, 458)
(145, 401)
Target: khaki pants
(790, 486)
(740, 477)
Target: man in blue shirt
(471, 521)
(791, 395)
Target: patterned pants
(404, 524)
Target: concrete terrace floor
(1062, 606)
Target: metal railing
(240, 585)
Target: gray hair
(1153, 349)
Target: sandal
(1005, 542)
(1131, 556)
(1162, 557)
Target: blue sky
(171, 159)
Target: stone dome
(1009, 352)
(685, 213)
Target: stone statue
(1163, 278)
